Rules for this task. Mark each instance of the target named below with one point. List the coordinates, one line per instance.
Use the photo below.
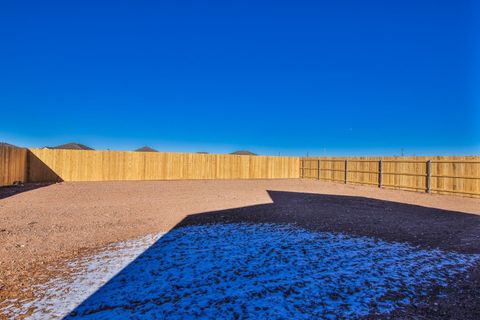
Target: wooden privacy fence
(449, 175)
(80, 165)
(453, 175)
(13, 165)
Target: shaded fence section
(13, 165)
(446, 175)
(80, 165)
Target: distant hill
(4, 144)
(244, 153)
(146, 149)
(202, 152)
(72, 146)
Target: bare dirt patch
(46, 226)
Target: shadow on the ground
(387, 220)
(302, 256)
(8, 191)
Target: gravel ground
(45, 226)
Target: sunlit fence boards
(437, 174)
(13, 165)
(79, 165)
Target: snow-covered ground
(55, 299)
(256, 270)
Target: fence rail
(449, 175)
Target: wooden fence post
(429, 176)
(302, 163)
(380, 169)
(346, 171)
(318, 169)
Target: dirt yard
(43, 226)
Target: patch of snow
(255, 270)
(57, 298)
(270, 271)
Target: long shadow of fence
(302, 256)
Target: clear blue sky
(324, 77)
